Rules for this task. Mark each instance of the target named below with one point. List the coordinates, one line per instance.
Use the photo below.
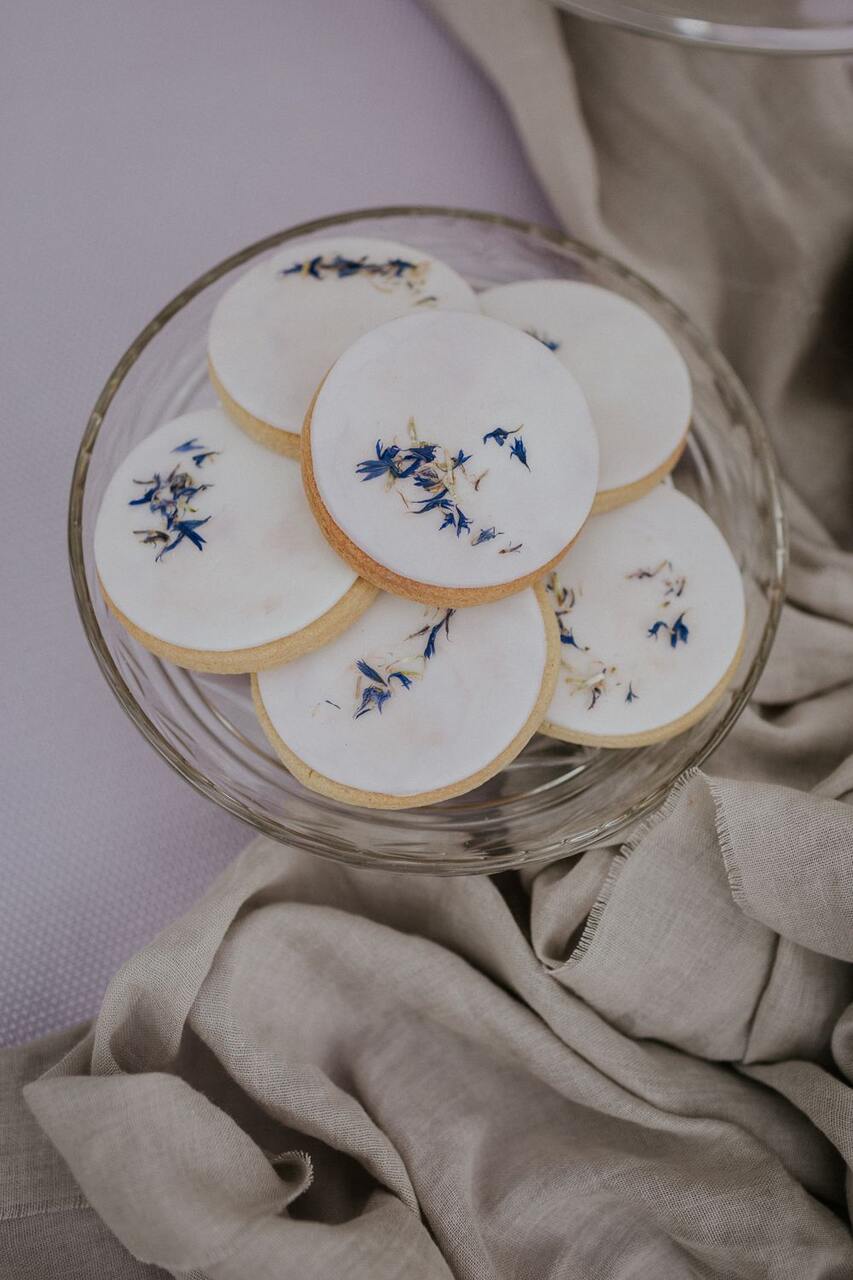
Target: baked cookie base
(275, 438)
(378, 800)
(371, 570)
(233, 662)
(663, 732)
(610, 499)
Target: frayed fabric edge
(618, 864)
(727, 849)
(295, 1160)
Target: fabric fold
(448, 1090)
(671, 950)
(182, 1204)
(805, 895)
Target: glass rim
(733, 37)
(492, 863)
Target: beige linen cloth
(638, 1063)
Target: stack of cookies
(429, 523)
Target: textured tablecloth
(140, 143)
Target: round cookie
(414, 704)
(449, 458)
(650, 606)
(207, 553)
(280, 327)
(633, 376)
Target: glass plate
(758, 26)
(553, 800)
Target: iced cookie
(276, 332)
(207, 553)
(633, 376)
(414, 704)
(650, 607)
(449, 458)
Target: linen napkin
(321, 1072)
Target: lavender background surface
(140, 144)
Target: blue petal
(382, 464)
(518, 451)
(485, 535)
(146, 497)
(372, 697)
(437, 500)
(426, 452)
(187, 529)
(429, 649)
(679, 631)
(347, 266)
(184, 495)
(405, 680)
(433, 632)
(367, 670)
(188, 446)
(550, 343)
(370, 469)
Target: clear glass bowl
(758, 26)
(554, 799)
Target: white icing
(613, 612)
(273, 337)
(633, 376)
(465, 704)
(458, 377)
(265, 570)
